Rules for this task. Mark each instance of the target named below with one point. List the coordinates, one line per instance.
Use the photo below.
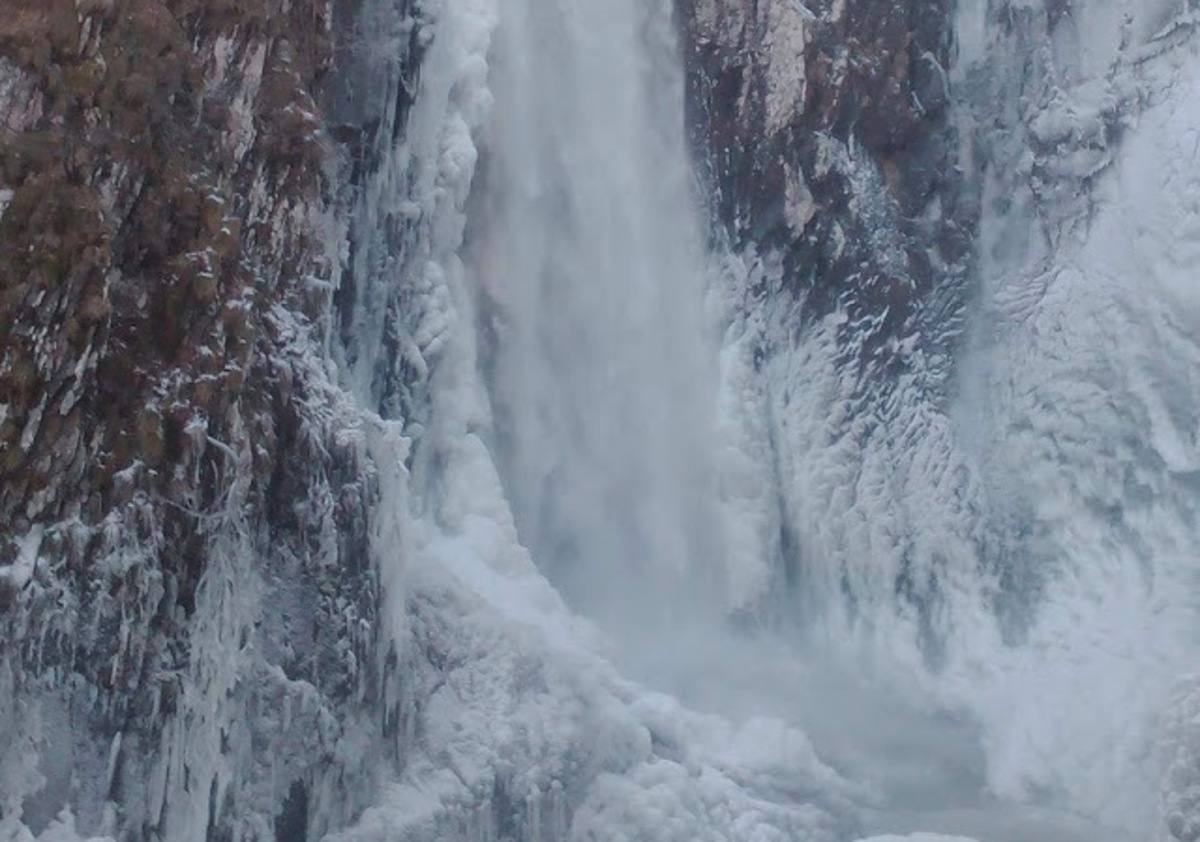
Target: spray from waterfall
(587, 249)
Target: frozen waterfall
(991, 595)
(503, 473)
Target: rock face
(188, 595)
(827, 137)
(824, 133)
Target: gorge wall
(260, 574)
(190, 593)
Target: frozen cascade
(599, 454)
(512, 722)
(580, 432)
(588, 250)
(1084, 372)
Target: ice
(517, 723)
(21, 570)
(1018, 554)
(600, 453)
(1094, 390)
(61, 829)
(518, 728)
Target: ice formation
(670, 546)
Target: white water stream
(589, 248)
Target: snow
(249, 74)
(784, 41)
(1092, 405)
(1179, 751)
(524, 724)
(1036, 527)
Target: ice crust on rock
(999, 521)
(1011, 543)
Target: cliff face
(240, 393)
(224, 265)
(829, 140)
(825, 136)
(188, 598)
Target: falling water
(587, 248)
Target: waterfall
(624, 432)
(588, 253)
(406, 444)
(554, 313)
